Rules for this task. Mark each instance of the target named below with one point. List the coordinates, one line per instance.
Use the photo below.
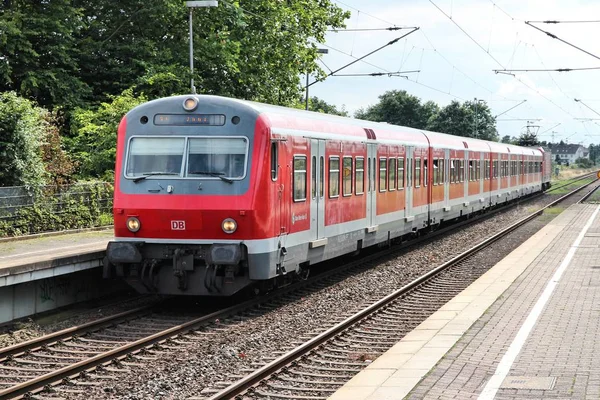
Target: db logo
(178, 225)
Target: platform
(528, 328)
(47, 272)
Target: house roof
(565, 148)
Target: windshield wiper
(142, 177)
(212, 173)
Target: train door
(372, 167)
(409, 182)
(447, 178)
(317, 189)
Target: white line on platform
(489, 392)
(54, 249)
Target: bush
(94, 135)
(57, 208)
(22, 131)
(584, 162)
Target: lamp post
(191, 5)
(477, 102)
(319, 51)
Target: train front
(183, 196)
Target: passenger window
(452, 171)
(359, 176)
(334, 177)
(392, 174)
(322, 177)
(425, 170)
(401, 173)
(347, 185)
(462, 170)
(417, 172)
(382, 174)
(313, 174)
(442, 179)
(274, 161)
(299, 178)
(436, 169)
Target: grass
(554, 210)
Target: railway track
(318, 367)
(93, 353)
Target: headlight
(229, 225)
(133, 224)
(190, 104)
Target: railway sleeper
(269, 395)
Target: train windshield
(204, 158)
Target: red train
(214, 195)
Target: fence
(26, 210)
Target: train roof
(285, 120)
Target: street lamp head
(198, 4)
(323, 51)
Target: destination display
(189, 119)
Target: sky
(457, 64)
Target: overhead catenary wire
(397, 73)
(553, 36)
(496, 60)
(565, 22)
(545, 70)
(391, 28)
(365, 56)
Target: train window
(334, 177)
(452, 171)
(322, 177)
(462, 170)
(212, 156)
(274, 161)
(425, 170)
(382, 174)
(401, 173)
(299, 178)
(442, 170)
(409, 172)
(313, 177)
(155, 155)
(417, 172)
(471, 170)
(392, 174)
(359, 176)
(347, 179)
(495, 169)
(484, 165)
(436, 169)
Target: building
(568, 153)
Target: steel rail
(576, 179)
(7, 352)
(106, 357)
(245, 384)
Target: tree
(39, 57)
(22, 131)
(594, 152)
(470, 119)
(93, 144)
(507, 139)
(63, 52)
(399, 108)
(318, 105)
